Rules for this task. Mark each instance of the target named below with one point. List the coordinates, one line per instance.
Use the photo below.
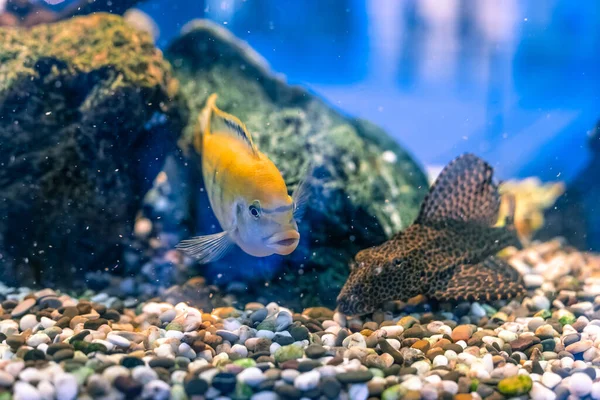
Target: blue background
(517, 82)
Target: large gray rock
(88, 113)
(367, 187)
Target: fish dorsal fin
(464, 191)
(220, 122)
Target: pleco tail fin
(492, 279)
(464, 191)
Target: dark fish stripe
(237, 129)
(277, 210)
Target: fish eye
(254, 210)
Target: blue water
(517, 82)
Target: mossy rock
(366, 186)
(88, 111)
(515, 385)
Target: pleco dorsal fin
(220, 122)
(464, 191)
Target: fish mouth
(284, 242)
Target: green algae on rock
(515, 385)
(88, 111)
(366, 186)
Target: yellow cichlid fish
(246, 191)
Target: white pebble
(393, 330)
(143, 374)
(28, 321)
(450, 387)
(31, 374)
(540, 392)
(289, 375)
(507, 336)
(283, 320)
(307, 381)
(111, 373)
(413, 383)
(251, 376)
(231, 324)
(488, 362)
(47, 390)
(25, 391)
(66, 387)
(550, 379)
(267, 395)
(240, 349)
(47, 322)
(37, 339)
(451, 355)
(328, 339)
(541, 302)
(186, 351)
(595, 391)
(533, 281)
(580, 384)
(6, 379)
(477, 310)
(440, 361)
(274, 347)
(174, 334)
(118, 340)
(358, 392)
(164, 350)
(421, 367)
(265, 334)
(355, 340)
(156, 390)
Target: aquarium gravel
(545, 347)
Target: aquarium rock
(88, 111)
(364, 185)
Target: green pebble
(394, 392)
(567, 320)
(377, 372)
(266, 325)
(174, 326)
(245, 362)
(80, 345)
(489, 310)
(545, 314)
(242, 391)
(178, 393)
(515, 385)
(286, 353)
(96, 347)
(81, 374)
(474, 385)
(139, 309)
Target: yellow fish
(246, 192)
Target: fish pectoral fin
(464, 191)
(301, 195)
(220, 122)
(489, 280)
(208, 248)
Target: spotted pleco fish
(447, 254)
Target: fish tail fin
(464, 191)
(489, 280)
